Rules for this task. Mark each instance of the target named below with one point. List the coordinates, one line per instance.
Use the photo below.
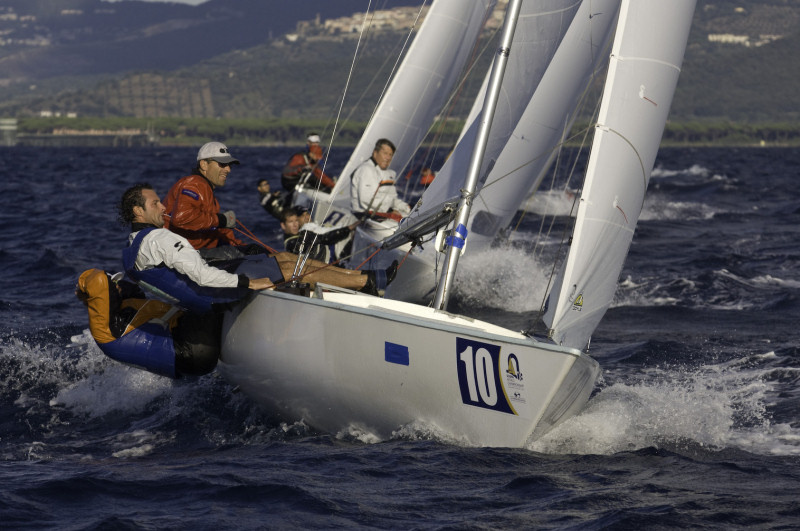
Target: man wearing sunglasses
(193, 211)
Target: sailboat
(341, 360)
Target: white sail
(643, 72)
(529, 151)
(540, 29)
(421, 85)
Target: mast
(457, 239)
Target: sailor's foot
(370, 287)
(378, 279)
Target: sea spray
(714, 406)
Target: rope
(368, 258)
(248, 233)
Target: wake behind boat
(342, 360)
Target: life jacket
(316, 251)
(173, 287)
(146, 341)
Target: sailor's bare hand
(260, 283)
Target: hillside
(749, 78)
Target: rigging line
(368, 258)
(561, 247)
(439, 258)
(299, 274)
(399, 57)
(582, 103)
(553, 174)
(299, 265)
(248, 233)
(575, 196)
(372, 81)
(339, 113)
(404, 257)
(558, 146)
(584, 136)
(361, 37)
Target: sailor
(301, 238)
(270, 201)
(426, 177)
(194, 211)
(372, 187)
(147, 333)
(304, 166)
(165, 260)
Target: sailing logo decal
(577, 304)
(513, 367)
(479, 376)
(515, 389)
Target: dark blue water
(695, 422)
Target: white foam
(117, 388)
(503, 277)
(714, 407)
(359, 434)
(658, 208)
(551, 203)
(695, 169)
(769, 280)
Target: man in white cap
(193, 211)
(303, 166)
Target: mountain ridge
(266, 75)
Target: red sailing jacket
(294, 170)
(193, 212)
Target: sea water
(694, 422)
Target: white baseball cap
(216, 151)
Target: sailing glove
(227, 220)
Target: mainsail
(421, 85)
(645, 62)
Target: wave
(695, 170)
(504, 277)
(660, 208)
(67, 399)
(713, 406)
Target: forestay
(643, 72)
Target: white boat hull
(352, 361)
